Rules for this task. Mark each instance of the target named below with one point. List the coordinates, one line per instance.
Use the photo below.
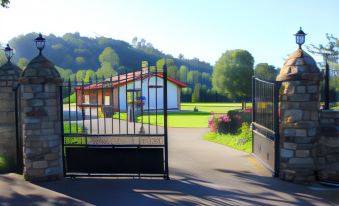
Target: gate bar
(276, 128)
(165, 121)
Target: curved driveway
(202, 173)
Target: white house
(113, 93)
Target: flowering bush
(230, 122)
(221, 123)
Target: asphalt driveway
(202, 173)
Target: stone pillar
(9, 74)
(327, 150)
(41, 119)
(299, 110)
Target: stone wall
(8, 150)
(299, 109)
(327, 148)
(9, 161)
(41, 131)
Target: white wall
(172, 94)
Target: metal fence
(116, 126)
(265, 122)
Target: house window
(86, 99)
(107, 100)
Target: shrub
(230, 122)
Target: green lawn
(211, 107)
(187, 118)
(240, 141)
(180, 119)
(236, 141)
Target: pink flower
(224, 118)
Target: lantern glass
(40, 43)
(9, 52)
(300, 39)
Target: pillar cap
(10, 71)
(40, 67)
(300, 66)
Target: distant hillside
(72, 51)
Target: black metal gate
(265, 123)
(116, 126)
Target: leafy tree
(22, 63)
(183, 73)
(80, 75)
(106, 70)
(232, 73)
(134, 41)
(193, 77)
(80, 60)
(265, 72)
(90, 75)
(5, 3)
(196, 93)
(3, 59)
(65, 74)
(171, 68)
(108, 55)
(206, 79)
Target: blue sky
(196, 28)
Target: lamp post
(300, 37)
(8, 52)
(40, 43)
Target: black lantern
(40, 43)
(8, 52)
(300, 37)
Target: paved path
(202, 173)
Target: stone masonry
(9, 74)
(41, 129)
(327, 148)
(299, 120)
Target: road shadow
(23, 193)
(181, 190)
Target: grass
(187, 118)
(211, 107)
(180, 119)
(230, 140)
(72, 129)
(240, 141)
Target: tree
(5, 3)
(180, 56)
(90, 75)
(80, 75)
(134, 42)
(106, 70)
(196, 93)
(183, 73)
(171, 68)
(80, 60)
(232, 73)
(22, 63)
(3, 59)
(110, 56)
(265, 72)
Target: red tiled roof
(123, 79)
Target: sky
(196, 28)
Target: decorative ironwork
(265, 122)
(115, 120)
